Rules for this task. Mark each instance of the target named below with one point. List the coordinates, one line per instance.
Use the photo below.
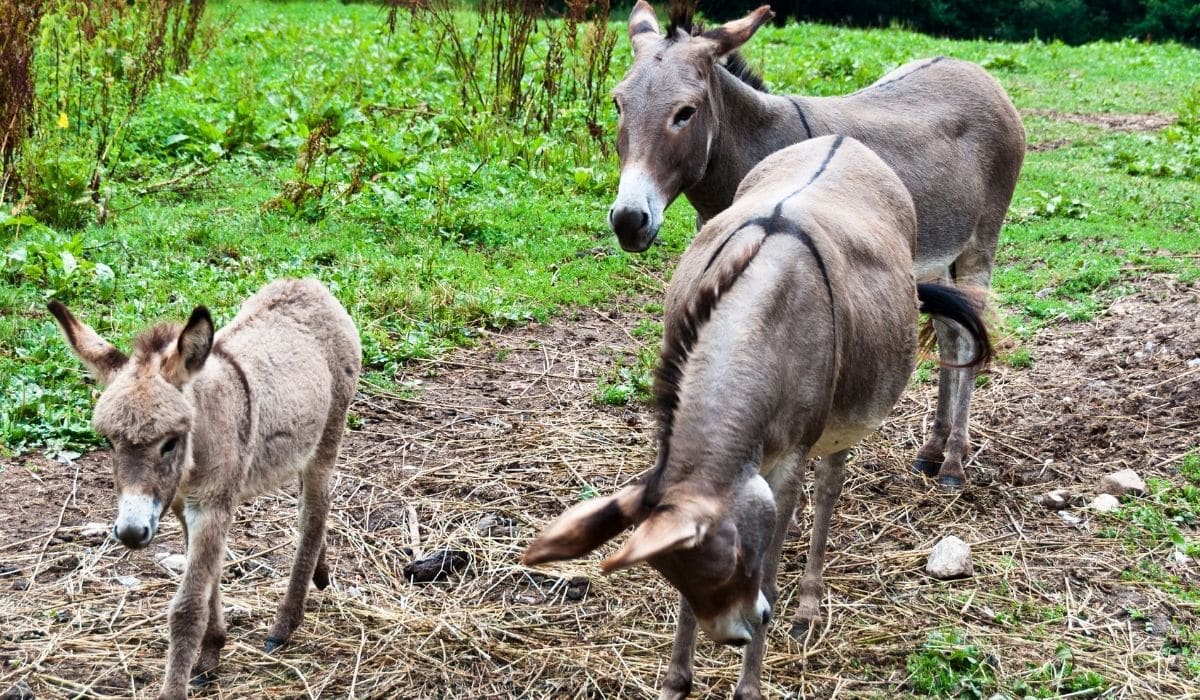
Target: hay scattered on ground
(507, 433)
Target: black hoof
(272, 644)
(802, 630)
(202, 679)
(927, 467)
(950, 483)
(321, 579)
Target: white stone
(129, 581)
(1123, 482)
(950, 558)
(1069, 519)
(1105, 503)
(1194, 362)
(1180, 560)
(173, 562)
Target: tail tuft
(950, 303)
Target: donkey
(790, 333)
(200, 423)
(694, 120)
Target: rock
(1105, 503)
(578, 588)
(20, 691)
(1069, 518)
(129, 581)
(1056, 499)
(950, 558)
(91, 530)
(1123, 482)
(1180, 560)
(1193, 363)
(66, 456)
(172, 562)
(436, 566)
(492, 525)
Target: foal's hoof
(321, 578)
(272, 644)
(803, 630)
(950, 483)
(203, 678)
(927, 467)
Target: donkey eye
(683, 115)
(169, 446)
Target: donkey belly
(842, 436)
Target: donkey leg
(788, 490)
(678, 681)
(314, 509)
(204, 671)
(188, 618)
(827, 486)
(932, 454)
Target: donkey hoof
(203, 678)
(803, 630)
(950, 483)
(927, 467)
(321, 578)
(272, 644)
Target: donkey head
(143, 412)
(666, 117)
(710, 549)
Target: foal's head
(667, 119)
(709, 547)
(143, 412)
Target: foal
(694, 120)
(790, 333)
(200, 423)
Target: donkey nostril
(145, 533)
(645, 220)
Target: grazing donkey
(694, 119)
(790, 332)
(201, 423)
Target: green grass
(463, 222)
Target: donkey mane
(682, 15)
(156, 339)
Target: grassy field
(435, 227)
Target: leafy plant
(948, 666)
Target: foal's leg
(788, 483)
(678, 682)
(188, 618)
(931, 456)
(314, 509)
(214, 638)
(827, 486)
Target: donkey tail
(950, 303)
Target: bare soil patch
(1108, 120)
(497, 439)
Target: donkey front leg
(827, 486)
(213, 642)
(787, 482)
(678, 682)
(189, 616)
(310, 552)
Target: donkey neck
(750, 125)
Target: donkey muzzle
(637, 214)
(137, 520)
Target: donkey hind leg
(204, 671)
(788, 486)
(188, 618)
(931, 456)
(678, 681)
(827, 486)
(314, 510)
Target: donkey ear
(643, 25)
(102, 359)
(586, 526)
(195, 342)
(731, 35)
(665, 530)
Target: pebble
(950, 558)
(94, 530)
(1122, 483)
(129, 581)
(172, 562)
(1056, 499)
(1105, 503)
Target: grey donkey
(200, 422)
(694, 120)
(790, 332)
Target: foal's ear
(667, 529)
(643, 25)
(586, 526)
(195, 342)
(731, 35)
(102, 359)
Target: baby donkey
(201, 422)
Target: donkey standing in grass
(790, 333)
(201, 423)
(695, 120)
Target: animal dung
(1123, 483)
(950, 559)
(437, 566)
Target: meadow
(312, 140)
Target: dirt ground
(486, 445)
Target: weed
(1020, 358)
(948, 666)
(625, 383)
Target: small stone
(950, 558)
(129, 581)
(1193, 363)
(20, 691)
(1123, 482)
(1180, 560)
(492, 525)
(1069, 519)
(173, 562)
(1044, 292)
(578, 588)
(91, 530)
(1056, 499)
(66, 456)
(1105, 503)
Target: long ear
(586, 526)
(643, 25)
(101, 358)
(731, 35)
(665, 530)
(195, 342)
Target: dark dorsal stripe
(244, 425)
(921, 67)
(803, 119)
